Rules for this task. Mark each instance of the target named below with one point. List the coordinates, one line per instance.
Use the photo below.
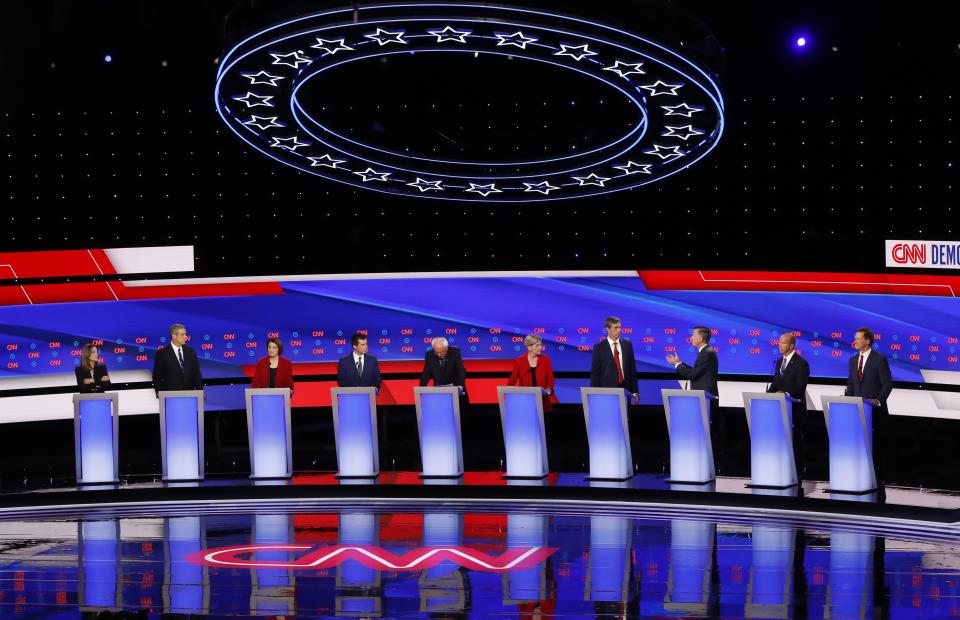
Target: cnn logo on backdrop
(923, 254)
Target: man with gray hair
(444, 364)
(176, 367)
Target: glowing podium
(181, 435)
(770, 422)
(688, 426)
(524, 435)
(608, 433)
(438, 422)
(95, 424)
(850, 430)
(355, 432)
(268, 428)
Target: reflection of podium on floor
(850, 431)
(526, 585)
(443, 588)
(691, 566)
(609, 566)
(608, 433)
(770, 588)
(185, 585)
(688, 426)
(770, 423)
(98, 558)
(272, 589)
(359, 588)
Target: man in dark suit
(177, 367)
(868, 376)
(444, 364)
(613, 364)
(703, 376)
(791, 373)
(359, 369)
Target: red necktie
(616, 360)
(860, 369)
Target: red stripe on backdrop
(802, 281)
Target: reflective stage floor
(446, 558)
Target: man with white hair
(444, 365)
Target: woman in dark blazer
(533, 369)
(273, 371)
(92, 372)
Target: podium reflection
(359, 588)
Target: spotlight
(108, 58)
(801, 41)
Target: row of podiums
(769, 418)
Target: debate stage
(402, 546)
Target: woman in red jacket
(534, 369)
(273, 371)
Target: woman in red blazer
(273, 371)
(534, 369)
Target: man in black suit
(613, 364)
(359, 369)
(868, 376)
(444, 364)
(791, 373)
(177, 367)
(703, 376)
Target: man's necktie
(616, 360)
(359, 365)
(783, 366)
(860, 369)
(180, 358)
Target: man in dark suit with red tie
(791, 374)
(703, 376)
(613, 364)
(176, 367)
(359, 369)
(868, 376)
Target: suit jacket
(877, 382)
(793, 380)
(520, 376)
(347, 372)
(603, 370)
(703, 374)
(450, 372)
(261, 377)
(98, 385)
(167, 374)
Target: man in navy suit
(176, 367)
(703, 376)
(359, 369)
(613, 364)
(868, 376)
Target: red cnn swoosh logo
(373, 557)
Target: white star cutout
(591, 179)
(425, 186)
(631, 69)
(516, 39)
(257, 121)
(262, 78)
(634, 168)
(681, 110)
(684, 132)
(383, 37)
(372, 175)
(665, 152)
(450, 34)
(667, 89)
(252, 100)
(297, 59)
(325, 160)
(543, 187)
(291, 144)
(580, 53)
(484, 190)
(332, 46)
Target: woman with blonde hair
(533, 369)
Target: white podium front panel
(849, 428)
(181, 434)
(524, 434)
(96, 429)
(355, 432)
(438, 422)
(605, 414)
(688, 425)
(770, 422)
(268, 429)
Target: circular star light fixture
(678, 106)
